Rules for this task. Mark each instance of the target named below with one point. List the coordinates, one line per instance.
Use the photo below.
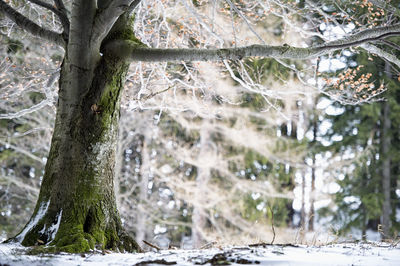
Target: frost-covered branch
(22, 151)
(251, 28)
(26, 111)
(59, 10)
(381, 53)
(30, 26)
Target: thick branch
(30, 26)
(381, 53)
(79, 46)
(132, 52)
(106, 18)
(64, 19)
(368, 35)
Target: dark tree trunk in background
(313, 168)
(199, 219)
(312, 197)
(386, 165)
(141, 226)
(303, 202)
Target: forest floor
(368, 253)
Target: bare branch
(245, 20)
(365, 36)
(22, 151)
(45, 5)
(30, 26)
(385, 55)
(62, 15)
(134, 4)
(23, 112)
(133, 52)
(391, 44)
(61, 7)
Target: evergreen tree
(367, 197)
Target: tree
(76, 210)
(368, 182)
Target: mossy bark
(76, 210)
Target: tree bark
(313, 168)
(203, 176)
(312, 197)
(76, 210)
(130, 51)
(145, 168)
(364, 224)
(386, 164)
(303, 213)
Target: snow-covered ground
(372, 253)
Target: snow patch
(54, 227)
(39, 215)
(371, 253)
(166, 169)
(43, 230)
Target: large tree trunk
(76, 210)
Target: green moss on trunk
(76, 210)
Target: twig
(209, 244)
(151, 245)
(272, 225)
(277, 245)
(162, 261)
(151, 95)
(395, 243)
(391, 44)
